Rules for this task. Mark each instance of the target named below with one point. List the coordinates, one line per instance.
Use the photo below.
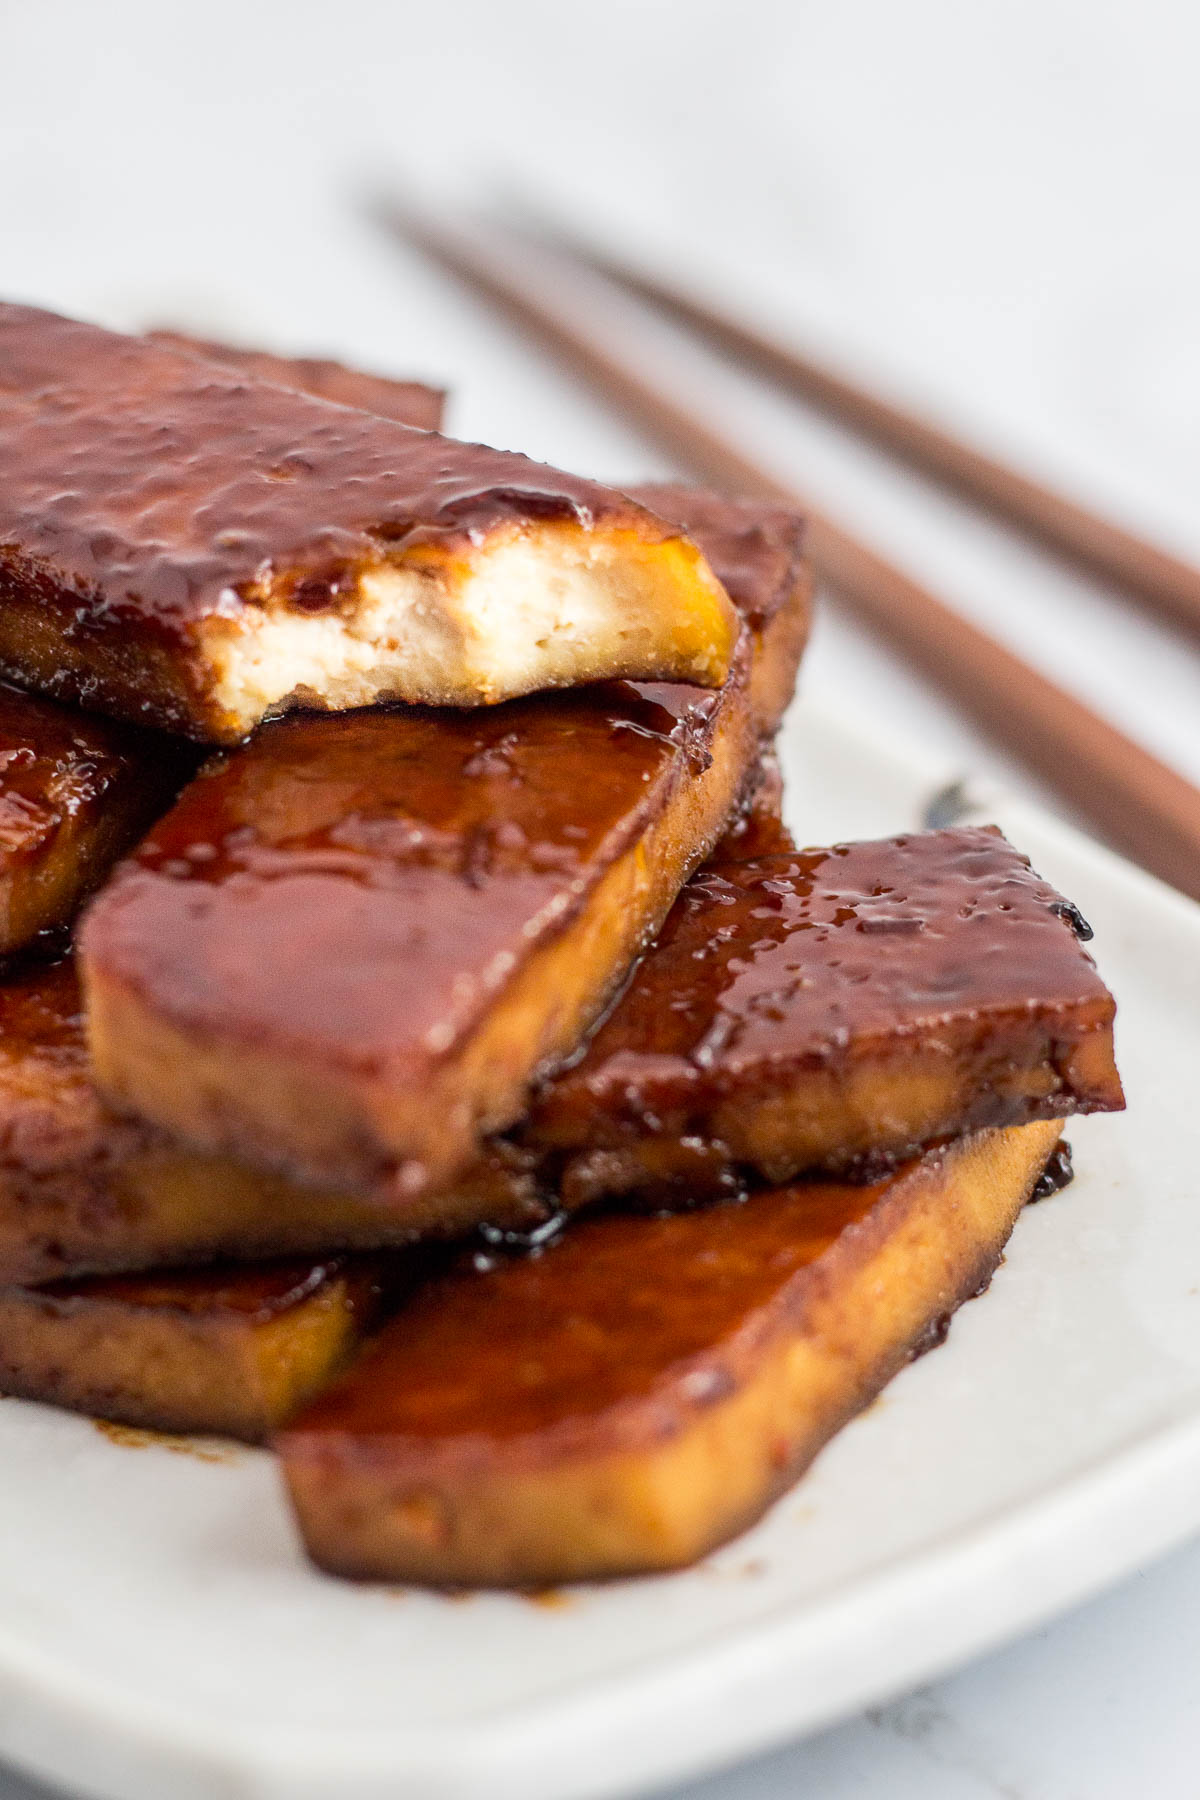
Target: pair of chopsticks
(563, 295)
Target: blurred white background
(989, 208)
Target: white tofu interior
(521, 612)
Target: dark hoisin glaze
(407, 402)
(808, 960)
(152, 488)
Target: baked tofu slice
(644, 1388)
(82, 1190)
(85, 1191)
(834, 1010)
(407, 402)
(76, 792)
(347, 950)
(231, 1351)
(190, 547)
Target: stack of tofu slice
(457, 1075)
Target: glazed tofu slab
(642, 1389)
(78, 790)
(233, 1352)
(836, 1011)
(641, 1116)
(346, 952)
(348, 949)
(187, 546)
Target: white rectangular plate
(160, 1632)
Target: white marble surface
(988, 207)
(1099, 1706)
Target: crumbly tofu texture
(83, 1191)
(555, 607)
(399, 1115)
(159, 510)
(642, 1390)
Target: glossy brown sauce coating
(75, 793)
(57, 764)
(255, 1292)
(361, 885)
(361, 881)
(1058, 1173)
(54, 763)
(806, 958)
(602, 1315)
(407, 402)
(41, 1012)
(53, 1127)
(141, 487)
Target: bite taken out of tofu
(184, 545)
(349, 948)
(84, 1190)
(642, 1389)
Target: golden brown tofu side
(834, 1010)
(345, 953)
(84, 1191)
(234, 1352)
(351, 946)
(641, 1391)
(759, 829)
(184, 545)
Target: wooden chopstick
(1141, 570)
(1134, 801)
